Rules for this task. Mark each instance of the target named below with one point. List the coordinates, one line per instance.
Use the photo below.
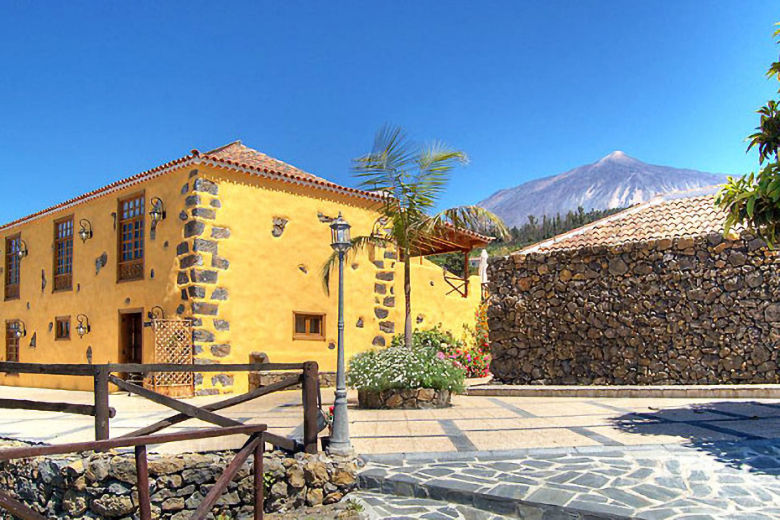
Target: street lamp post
(339, 439)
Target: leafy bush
(472, 355)
(434, 338)
(404, 368)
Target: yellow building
(230, 242)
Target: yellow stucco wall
(95, 294)
(271, 277)
(223, 231)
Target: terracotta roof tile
(233, 155)
(662, 217)
(238, 153)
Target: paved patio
(471, 424)
(490, 457)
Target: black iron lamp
(339, 234)
(340, 443)
(85, 233)
(82, 327)
(158, 210)
(22, 251)
(19, 329)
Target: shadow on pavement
(742, 434)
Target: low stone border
(260, 379)
(102, 485)
(681, 391)
(403, 398)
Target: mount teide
(615, 181)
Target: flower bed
(401, 377)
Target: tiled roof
(231, 156)
(236, 152)
(662, 217)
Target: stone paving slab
(710, 480)
(472, 423)
(377, 506)
(758, 391)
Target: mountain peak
(616, 180)
(617, 156)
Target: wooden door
(11, 342)
(131, 338)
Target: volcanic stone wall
(672, 311)
(103, 485)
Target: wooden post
(101, 403)
(259, 481)
(142, 474)
(310, 409)
(466, 274)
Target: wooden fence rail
(103, 375)
(254, 445)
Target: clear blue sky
(93, 92)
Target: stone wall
(682, 311)
(102, 485)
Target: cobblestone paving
(712, 480)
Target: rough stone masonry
(102, 485)
(702, 310)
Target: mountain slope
(616, 180)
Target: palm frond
(359, 244)
(388, 162)
(474, 218)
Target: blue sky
(93, 92)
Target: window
(12, 275)
(131, 238)
(62, 327)
(63, 254)
(308, 326)
(11, 341)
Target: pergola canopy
(449, 239)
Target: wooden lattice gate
(173, 344)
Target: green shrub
(404, 368)
(434, 338)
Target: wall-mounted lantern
(19, 329)
(85, 233)
(158, 210)
(156, 313)
(22, 251)
(82, 327)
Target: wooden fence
(253, 446)
(104, 374)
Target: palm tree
(412, 177)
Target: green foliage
(268, 481)
(753, 200)
(472, 355)
(353, 505)
(529, 233)
(434, 338)
(412, 177)
(404, 368)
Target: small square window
(308, 326)
(62, 328)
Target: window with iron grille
(130, 229)
(11, 341)
(12, 261)
(63, 254)
(308, 326)
(62, 327)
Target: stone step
(481, 494)
(382, 506)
